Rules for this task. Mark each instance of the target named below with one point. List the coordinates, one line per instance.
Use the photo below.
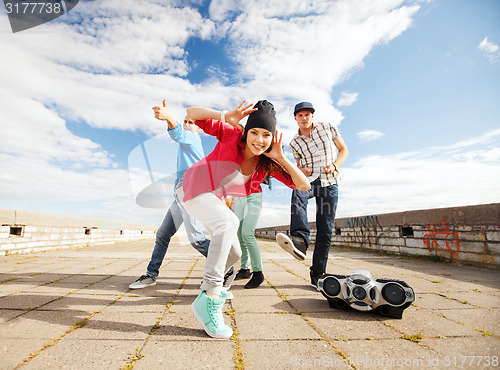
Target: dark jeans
(326, 206)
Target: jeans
(173, 220)
(326, 206)
(248, 211)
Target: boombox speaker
(362, 292)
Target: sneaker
(226, 294)
(143, 282)
(295, 245)
(208, 312)
(314, 279)
(228, 278)
(243, 274)
(255, 281)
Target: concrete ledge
(467, 234)
(27, 232)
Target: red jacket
(227, 156)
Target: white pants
(222, 225)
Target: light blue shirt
(190, 149)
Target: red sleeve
(279, 173)
(222, 131)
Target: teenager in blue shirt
(190, 151)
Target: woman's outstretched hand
(238, 113)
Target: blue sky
(413, 86)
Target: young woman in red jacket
(236, 167)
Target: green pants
(248, 210)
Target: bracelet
(223, 116)
(335, 167)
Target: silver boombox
(362, 292)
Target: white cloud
(32, 131)
(127, 36)
(370, 135)
(429, 178)
(347, 99)
(106, 62)
(273, 214)
(490, 49)
(293, 47)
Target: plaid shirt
(317, 151)
(206, 175)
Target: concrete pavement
(72, 309)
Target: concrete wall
(466, 234)
(26, 232)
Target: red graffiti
(440, 233)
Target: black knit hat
(264, 117)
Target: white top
(233, 180)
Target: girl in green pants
(248, 210)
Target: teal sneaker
(208, 312)
(226, 294)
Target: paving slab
(429, 324)
(268, 304)
(238, 290)
(81, 302)
(26, 300)
(14, 287)
(117, 326)
(481, 299)
(40, 324)
(59, 289)
(14, 351)
(389, 354)
(73, 309)
(309, 303)
(350, 325)
(459, 352)
(443, 301)
(285, 354)
(85, 354)
(187, 354)
(273, 326)
(484, 320)
(133, 304)
(7, 315)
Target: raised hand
(164, 114)
(277, 147)
(240, 112)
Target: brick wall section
(27, 232)
(466, 234)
